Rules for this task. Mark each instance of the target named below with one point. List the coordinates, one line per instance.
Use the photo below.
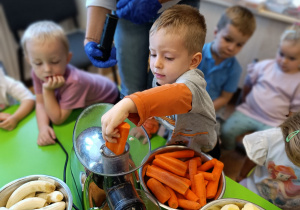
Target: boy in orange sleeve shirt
(178, 99)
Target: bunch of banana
(247, 206)
(38, 194)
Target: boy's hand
(7, 121)
(114, 117)
(151, 126)
(46, 136)
(54, 82)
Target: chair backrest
(21, 13)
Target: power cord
(65, 168)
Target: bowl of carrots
(181, 178)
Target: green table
(21, 156)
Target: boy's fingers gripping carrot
(212, 186)
(157, 188)
(118, 148)
(200, 188)
(207, 165)
(173, 200)
(167, 178)
(180, 154)
(171, 164)
(186, 204)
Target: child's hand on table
(7, 121)
(114, 117)
(46, 136)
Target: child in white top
(274, 91)
(276, 154)
(12, 92)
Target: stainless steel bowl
(218, 204)
(204, 157)
(9, 188)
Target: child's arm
(159, 101)
(46, 133)
(246, 168)
(114, 117)
(222, 100)
(52, 108)
(11, 121)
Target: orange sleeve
(161, 101)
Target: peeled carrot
(200, 188)
(190, 195)
(171, 164)
(180, 154)
(173, 201)
(207, 176)
(207, 165)
(212, 186)
(192, 172)
(118, 148)
(188, 181)
(167, 178)
(186, 204)
(198, 159)
(157, 188)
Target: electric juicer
(112, 181)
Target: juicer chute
(112, 178)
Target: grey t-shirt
(195, 129)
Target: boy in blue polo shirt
(220, 67)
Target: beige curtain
(8, 48)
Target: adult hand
(138, 11)
(95, 54)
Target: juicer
(112, 182)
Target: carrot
(192, 172)
(198, 159)
(118, 148)
(171, 164)
(186, 204)
(167, 178)
(179, 154)
(207, 165)
(179, 196)
(207, 176)
(191, 196)
(173, 201)
(200, 188)
(157, 188)
(188, 181)
(212, 186)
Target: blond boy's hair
(292, 33)
(43, 31)
(240, 17)
(186, 21)
(292, 148)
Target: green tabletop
(21, 156)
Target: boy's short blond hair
(186, 21)
(240, 17)
(292, 33)
(292, 148)
(43, 31)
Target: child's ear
(69, 57)
(196, 59)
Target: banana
(55, 206)
(29, 203)
(230, 207)
(30, 195)
(27, 188)
(52, 197)
(3, 208)
(47, 179)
